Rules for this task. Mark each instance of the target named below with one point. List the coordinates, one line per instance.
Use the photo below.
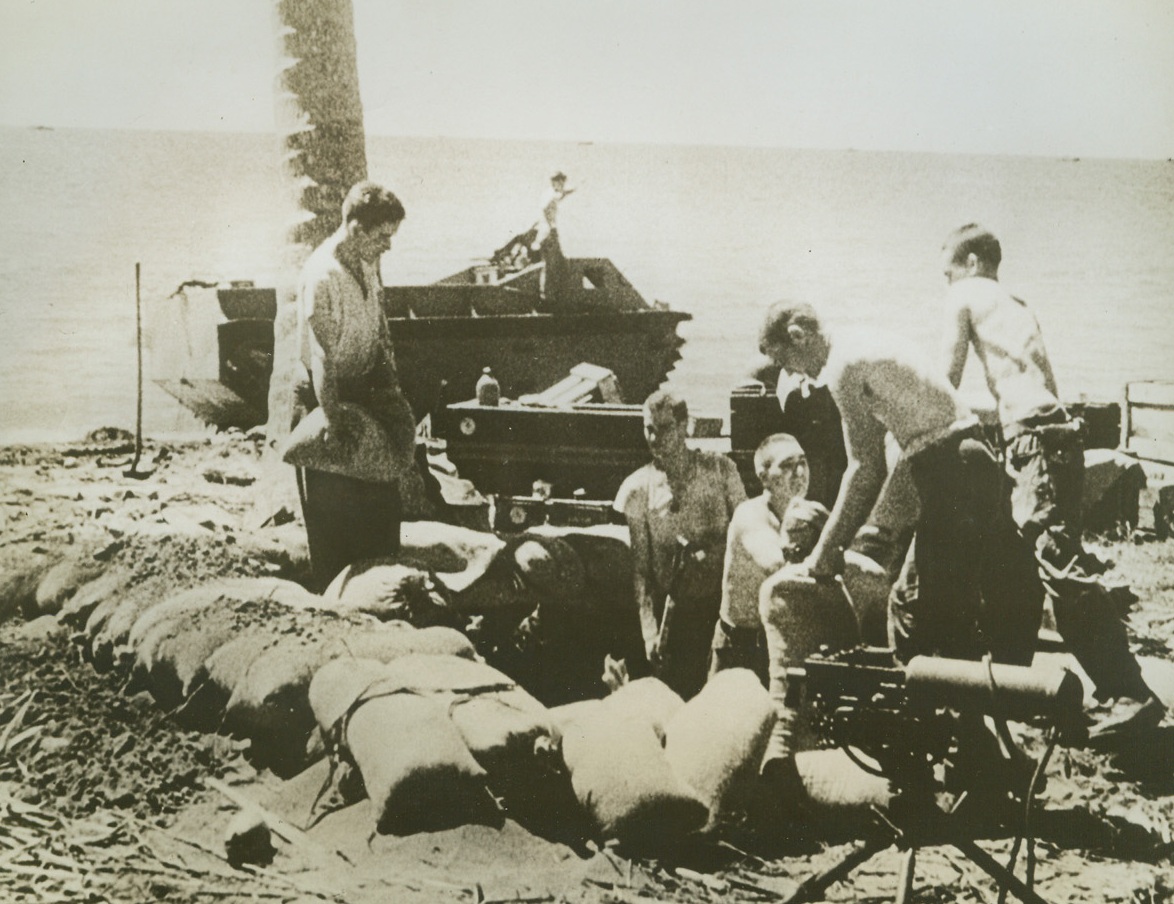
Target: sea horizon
(719, 231)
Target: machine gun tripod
(905, 722)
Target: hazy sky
(1055, 77)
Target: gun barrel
(1014, 692)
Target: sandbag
(109, 624)
(270, 703)
(158, 622)
(74, 611)
(173, 654)
(210, 689)
(284, 546)
(338, 683)
(18, 587)
(499, 721)
(624, 782)
(715, 742)
(836, 786)
(388, 591)
(178, 605)
(647, 699)
(152, 646)
(391, 640)
(510, 734)
(336, 686)
(566, 715)
(62, 581)
(419, 774)
(97, 621)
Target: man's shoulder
(976, 293)
(752, 511)
(633, 486)
(716, 461)
(322, 264)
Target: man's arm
(752, 530)
(320, 307)
(735, 490)
(956, 342)
(1045, 364)
(644, 585)
(864, 438)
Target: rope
(334, 738)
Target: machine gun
(905, 718)
(903, 721)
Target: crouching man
(759, 544)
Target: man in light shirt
(678, 509)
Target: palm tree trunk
(319, 117)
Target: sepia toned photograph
(586, 451)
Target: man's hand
(652, 651)
(810, 569)
(339, 428)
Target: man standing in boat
(546, 244)
(678, 509)
(355, 446)
(1044, 451)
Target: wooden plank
(1149, 420)
(1150, 394)
(1152, 450)
(1151, 433)
(1152, 423)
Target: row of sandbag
(440, 741)
(237, 654)
(438, 737)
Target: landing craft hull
(446, 333)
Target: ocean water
(717, 232)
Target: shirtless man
(969, 586)
(1045, 457)
(678, 509)
(756, 548)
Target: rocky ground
(103, 798)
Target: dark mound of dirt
(74, 742)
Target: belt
(974, 431)
(1034, 422)
(735, 633)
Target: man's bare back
(1007, 339)
(877, 377)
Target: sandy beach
(105, 798)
